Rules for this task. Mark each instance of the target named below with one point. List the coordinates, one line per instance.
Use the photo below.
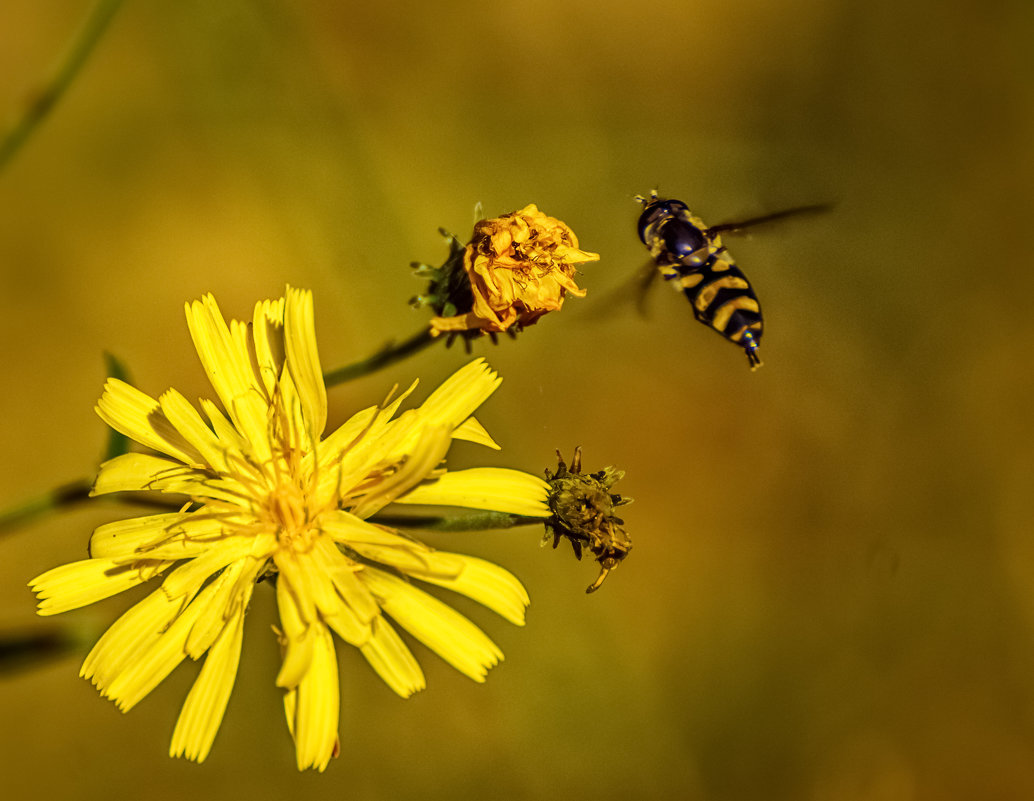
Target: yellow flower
(519, 267)
(269, 496)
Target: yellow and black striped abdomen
(723, 299)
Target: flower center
(288, 512)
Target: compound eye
(653, 214)
(650, 215)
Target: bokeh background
(831, 595)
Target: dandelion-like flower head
(267, 495)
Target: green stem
(118, 443)
(478, 522)
(381, 359)
(32, 647)
(47, 96)
(76, 492)
(65, 495)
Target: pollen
(288, 512)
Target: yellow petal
(456, 399)
(192, 574)
(139, 416)
(268, 334)
(350, 530)
(141, 472)
(317, 705)
(224, 354)
(225, 597)
(482, 581)
(340, 572)
(297, 638)
(82, 583)
(347, 625)
(378, 544)
(351, 452)
(192, 428)
(345, 436)
(493, 488)
(429, 448)
(463, 322)
(166, 536)
(229, 437)
(392, 660)
(438, 626)
(153, 663)
(472, 431)
(203, 710)
(303, 360)
(322, 585)
(132, 634)
(382, 545)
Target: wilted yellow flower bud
(519, 266)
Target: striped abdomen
(723, 299)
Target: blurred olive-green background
(831, 595)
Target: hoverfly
(686, 249)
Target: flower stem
(388, 355)
(47, 96)
(118, 443)
(65, 495)
(27, 648)
(478, 522)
